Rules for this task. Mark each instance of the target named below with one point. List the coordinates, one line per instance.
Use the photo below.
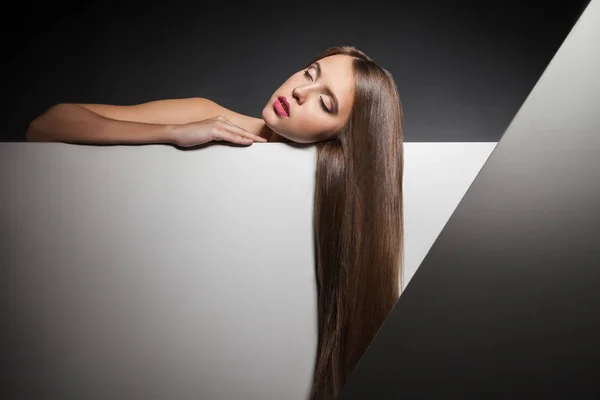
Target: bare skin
(319, 104)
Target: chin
(265, 116)
(271, 120)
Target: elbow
(32, 132)
(36, 128)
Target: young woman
(350, 108)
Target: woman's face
(313, 103)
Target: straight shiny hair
(358, 223)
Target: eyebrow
(328, 90)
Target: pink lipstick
(282, 107)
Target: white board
(153, 272)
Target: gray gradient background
(506, 303)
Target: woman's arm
(152, 122)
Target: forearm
(75, 124)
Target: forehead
(337, 74)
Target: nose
(299, 94)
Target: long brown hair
(358, 223)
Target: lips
(283, 106)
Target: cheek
(312, 124)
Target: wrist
(172, 133)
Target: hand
(218, 128)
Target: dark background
(463, 68)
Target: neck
(260, 128)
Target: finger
(235, 138)
(242, 132)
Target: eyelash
(322, 102)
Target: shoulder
(213, 109)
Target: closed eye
(324, 106)
(309, 76)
